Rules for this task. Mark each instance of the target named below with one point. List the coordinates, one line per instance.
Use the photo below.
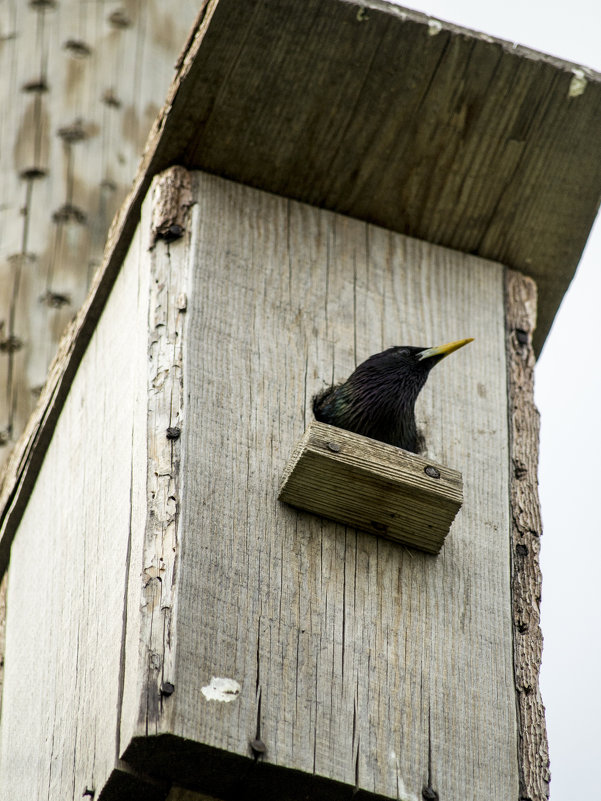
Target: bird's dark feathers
(378, 399)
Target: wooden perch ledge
(372, 486)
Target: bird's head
(405, 367)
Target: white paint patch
(577, 84)
(434, 27)
(402, 794)
(225, 690)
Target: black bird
(378, 399)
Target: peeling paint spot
(577, 84)
(225, 690)
(68, 212)
(11, 344)
(110, 98)
(73, 133)
(39, 85)
(434, 27)
(55, 300)
(77, 48)
(33, 173)
(119, 19)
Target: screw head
(334, 446)
(431, 471)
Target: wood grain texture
(359, 662)
(70, 567)
(526, 578)
(80, 89)
(380, 86)
(167, 339)
(372, 486)
(372, 110)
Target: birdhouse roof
(384, 114)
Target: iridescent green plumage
(378, 399)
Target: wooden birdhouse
(326, 179)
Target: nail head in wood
(258, 746)
(372, 486)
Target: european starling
(378, 399)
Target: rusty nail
(431, 471)
(167, 688)
(173, 432)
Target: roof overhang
(384, 114)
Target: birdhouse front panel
(336, 653)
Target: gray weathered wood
(151, 635)
(526, 530)
(378, 106)
(358, 660)
(372, 486)
(371, 110)
(81, 86)
(70, 567)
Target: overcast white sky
(568, 394)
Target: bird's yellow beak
(443, 350)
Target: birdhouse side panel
(353, 658)
(70, 564)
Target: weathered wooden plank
(154, 590)
(357, 660)
(372, 486)
(526, 530)
(82, 86)
(70, 567)
(21, 466)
